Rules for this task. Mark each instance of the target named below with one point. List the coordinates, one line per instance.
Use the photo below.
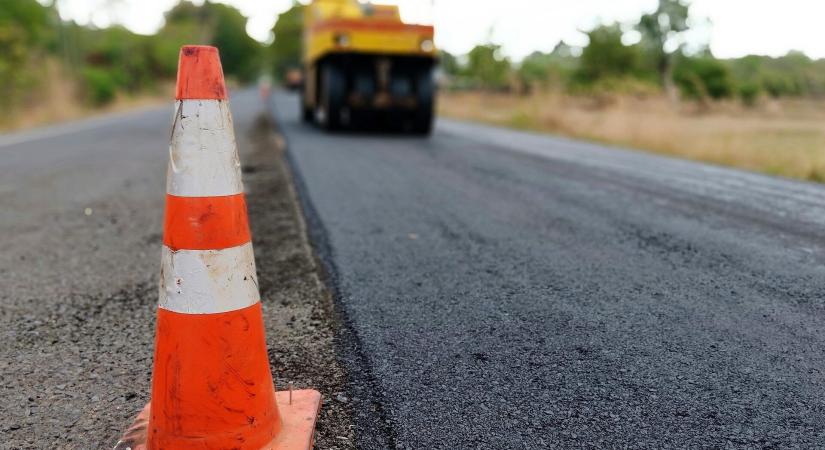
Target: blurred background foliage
(285, 50)
(656, 60)
(41, 51)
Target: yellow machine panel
(361, 58)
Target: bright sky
(739, 27)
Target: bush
(749, 93)
(781, 85)
(606, 57)
(99, 85)
(703, 77)
(219, 25)
(285, 50)
(487, 67)
(24, 35)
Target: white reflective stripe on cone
(203, 159)
(208, 281)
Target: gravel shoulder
(301, 320)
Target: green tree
(702, 78)
(543, 69)
(487, 67)
(534, 69)
(33, 20)
(123, 54)
(606, 57)
(794, 74)
(166, 44)
(240, 54)
(449, 63)
(662, 34)
(214, 24)
(287, 44)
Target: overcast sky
(739, 27)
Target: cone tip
(200, 75)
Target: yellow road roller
(363, 66)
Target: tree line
(104, 63)
(659, 60)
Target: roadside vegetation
(640, 85)
(51, 69)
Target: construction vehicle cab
(364, 65)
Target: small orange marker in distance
(212, 385)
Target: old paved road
(81, 206)
(510, 290)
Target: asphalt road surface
(79, 229)
(509, 290)
(80, 233)
(491, 288)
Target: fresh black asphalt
(503, 289)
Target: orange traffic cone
(212, 386)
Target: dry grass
(782, 138)
(58, 102)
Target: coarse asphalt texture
(502, 289)
(80, 230)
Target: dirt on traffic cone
(212, 386)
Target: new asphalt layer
(502, 289)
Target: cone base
(298, 420)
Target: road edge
(374, 426)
